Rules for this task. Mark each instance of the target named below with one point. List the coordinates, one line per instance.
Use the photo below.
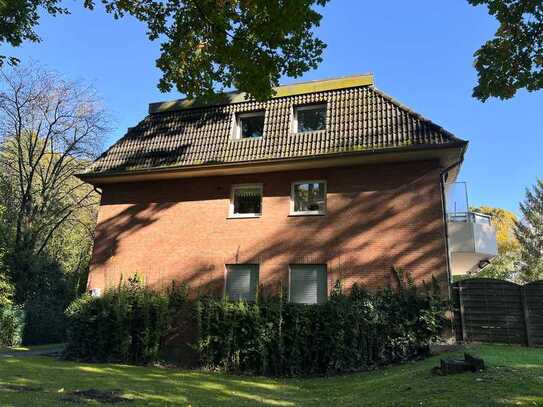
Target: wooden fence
(488, 310)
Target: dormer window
(309, 118)
(249, 125)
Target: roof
(360, 118)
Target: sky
(420, 52)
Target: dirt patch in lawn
(103, 396)
(18, 388)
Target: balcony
(472, 241)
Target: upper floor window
(246, 201)
(249, 125)
(309, 118)
(308, 198)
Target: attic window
(249, 125)
(309, 118)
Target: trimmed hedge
(126, 324)
(347, 333)
(12, 322)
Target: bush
(126, 324)
(45, 321)
(347, 333)
(42, 287)
(11, 325)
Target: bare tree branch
(50, 128)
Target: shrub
(126, 324)
(45, 321)
(347, 333)
(11, 324)
(41, 286)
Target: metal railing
(469, 217)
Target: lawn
(514, 377)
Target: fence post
(526, 313)
(462, 322)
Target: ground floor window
(241, 281)
(308, 283)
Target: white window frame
(307, 107)
(307, 213)
(307, 264)
(237, 124)
(235, 187)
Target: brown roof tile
(358, 119)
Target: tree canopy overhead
(513, 59)
(209, 45)
(206, 45)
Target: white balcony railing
(469, 217)
(472, 241)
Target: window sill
(307, 214)
(243, 216)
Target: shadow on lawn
(514, 377)
(148, 386)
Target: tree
(206, 44)
(18, 19)
(6, 288)
(513, 59)
(529, 232)
(49, 130)
(505, 265)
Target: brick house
(328, 180)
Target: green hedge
(45, 321)
(347, 333)
(12, 321)
(126, 324)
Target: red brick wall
(377, 216)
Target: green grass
(21, 348)
(514, 377)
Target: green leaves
(529, 233)
(127, 324)
(347, 333)
(12, 321)
(18, 19)
(513, 59)
(210, 47)
(206, 45)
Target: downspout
(442, 179)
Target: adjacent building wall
(377, 216)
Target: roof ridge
(417, 115)
(236, 96)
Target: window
(308, 283)
(308, 198)
(241, 282)
(309, 118)
(246, 201)
(249, 125)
